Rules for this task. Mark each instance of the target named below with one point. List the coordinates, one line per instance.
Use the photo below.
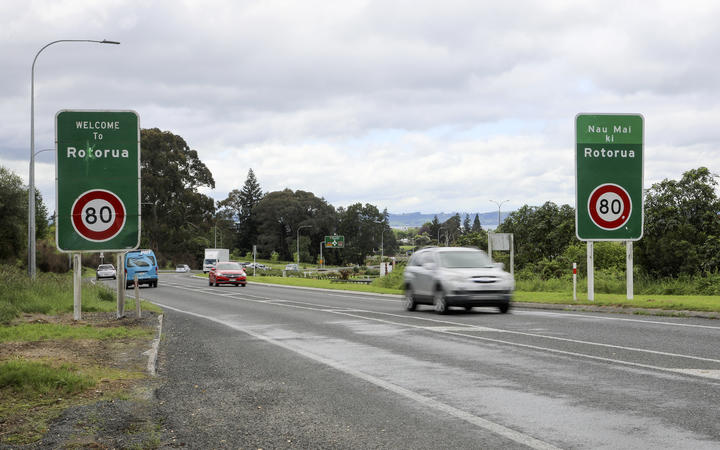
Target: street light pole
(31, 178)
(298, 242)
(499, 204)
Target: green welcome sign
(609, 177)
(97, 176)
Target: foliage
(177, 218)
(14, 216)
(279, 216)
(540, 232)
(238, 209)
(682, 229)
(366, 229)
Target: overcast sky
(430, 106)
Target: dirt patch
(112, 414)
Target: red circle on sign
(112, 230)
(595, 206)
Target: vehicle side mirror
(429, 266)
(499, 265)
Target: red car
(227, 273)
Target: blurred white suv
(456, 276)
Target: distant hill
(417, 219)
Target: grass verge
(706, 303)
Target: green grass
(51, 294)
(33, 332)
(707, 303)
(31, 377)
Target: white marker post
(574, 282)
(137, 297)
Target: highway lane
(531, 378)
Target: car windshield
(105, 267)
(210, 261)
(457, 260)
(228, 266)
(138, 261)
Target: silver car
(456, 276)
(105, 271)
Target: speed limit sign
(609, 206)
(97, 173)
(609, 177)
(98, 215)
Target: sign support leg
(120, 285)
(590, 272)
(629, 259)
(77, 286)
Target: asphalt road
(274, 367)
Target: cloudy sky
(430, 106)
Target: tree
(452, 228)
(279, 216)
(682, 228)
(362, 226)
(540, 232)
(177, 218)
(14, 216)
(476, 226)
(466, 224)
(238, 207)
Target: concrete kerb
(152, 353)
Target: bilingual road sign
(97, 177)
(335, 241)
(609, 177)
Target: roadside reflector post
(574, 282)
(121, 285)
(629, 260)
(77, 286)
(137, 296)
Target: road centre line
(488, 425)
(440, 329)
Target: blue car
(144, 264)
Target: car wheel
(237, 284)
(504, 308)
(439, 302)
(243, 285)
(468, 308)
(209, 282)
(410, 303)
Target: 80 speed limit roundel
(98, 215)
(609, 206)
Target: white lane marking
(570, 315)
(466, 327)
(488, 425)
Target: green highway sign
(97, 180)
(334, 241)
(609, 177)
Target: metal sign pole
(120, 285)
(77, 286)
(629, 260)
(590, 272)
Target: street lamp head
(105, 41)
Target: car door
(424, 274)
